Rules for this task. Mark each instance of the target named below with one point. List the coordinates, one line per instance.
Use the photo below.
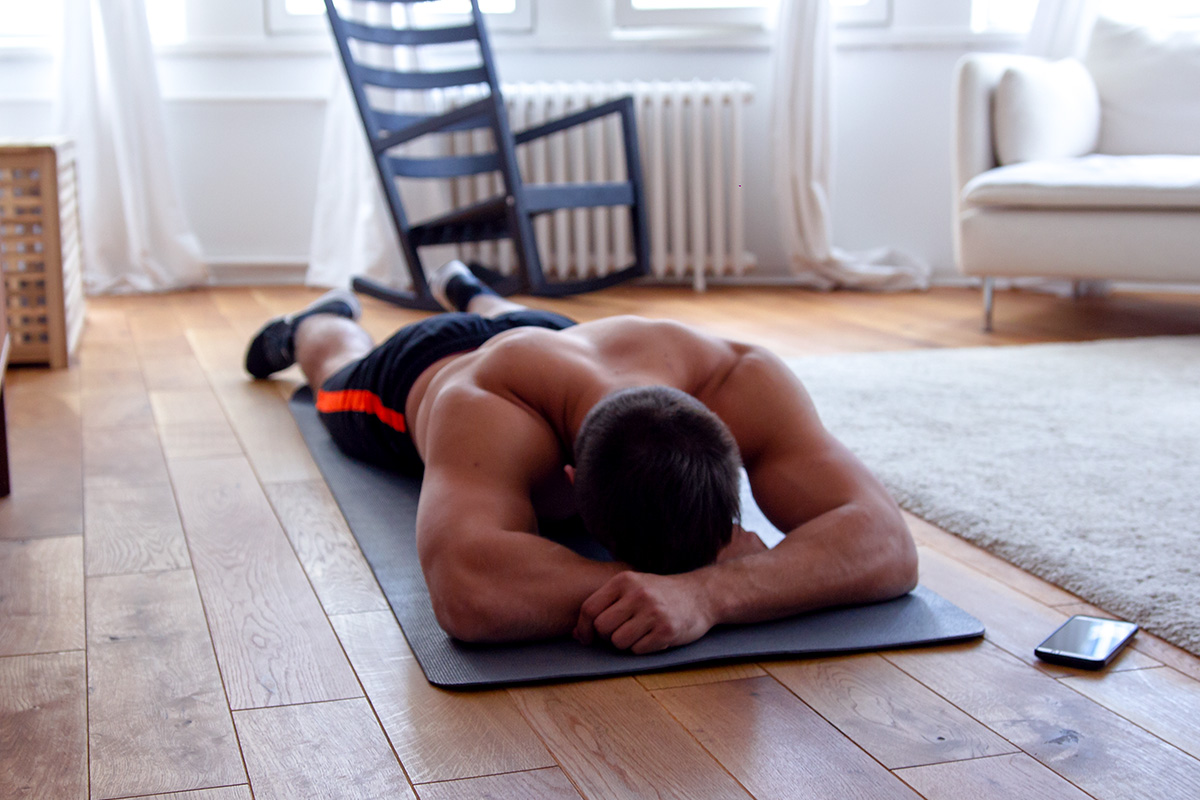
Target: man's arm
(846, 541)
(490, 577)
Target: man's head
(656, 479)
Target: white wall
(245, 115)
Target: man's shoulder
(472, 423)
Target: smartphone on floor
(1086, 642)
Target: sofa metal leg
(988, 300)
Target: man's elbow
(891, 569)
(899, 571)
(465, 618)
(904, 569)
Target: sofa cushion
(1045, 109)
(1094, 181)
(1149, 85)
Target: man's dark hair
(656, 479)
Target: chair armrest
(451, 120)
(975, 79)
(622, 106)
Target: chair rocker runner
(510, 214)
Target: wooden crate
(40, 252)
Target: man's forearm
(853, 554)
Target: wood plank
(331, 749)
(438, 735)
(887, 713)
(1161, 700)
(122, 378)
(794, 751)
(30, 409)
(196, 311)
(132, 529)
(173, 371)
(158, 720)
(43, 726)
(116, 408)
(41, 595)
(692, 677)
(1014, 621)
(1016, 776)
(538, 784)
(122, 457)
(1093, 748)
(267, 431)
(613, 740)
(317, 530)
(241, 792)
(186, 407)
(192, 424)
(1145, 642)
(273, 641)
(47, 483)
(199, 440)
(29, 377)
(221, 353)
(995, 567)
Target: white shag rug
(1077, 462)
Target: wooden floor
(184, 615)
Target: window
(299, 16)
(1016, 16)
(634, 13)
(22, 22)
(861, 12)
(33, 24)
(1151, 11)
(1006, 16)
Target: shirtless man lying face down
(640, 426)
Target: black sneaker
(272, 350)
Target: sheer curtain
(1061, 28)
(353, 233)
(135, 235)
(803, 131)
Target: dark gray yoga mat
(381, 506)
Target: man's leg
(274, 347)
(456, 288)
(325, 343)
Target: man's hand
(645, 613)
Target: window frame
(625, 15)
(280, 21)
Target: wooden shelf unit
(40, 252)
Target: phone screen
(1089, 638)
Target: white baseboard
(283, 272)
(256, 272)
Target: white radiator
(691, 141)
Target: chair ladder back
(506, 216)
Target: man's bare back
(494, 425)
(496, 428)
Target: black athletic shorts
(362, 405)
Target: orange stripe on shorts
(362, 401)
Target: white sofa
(1081, 169)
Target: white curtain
(135, 234)
(802, 127)
(1062, 28)
(353, 233)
